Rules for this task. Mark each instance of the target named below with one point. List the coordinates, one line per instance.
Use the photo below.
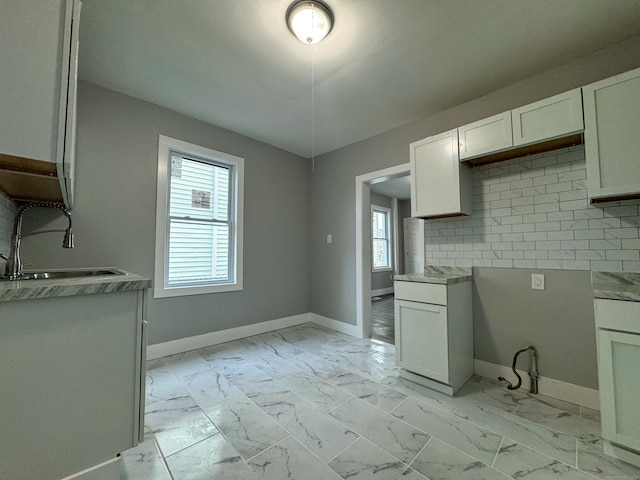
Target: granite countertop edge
(11, 291)
(439, 275)
(616, 285)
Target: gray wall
(380, 280)
(7, 212)
(333, 188)
(114, 220)
(559, 321)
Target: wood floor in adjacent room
(382, 325)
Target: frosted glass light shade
(310, 21)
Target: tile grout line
(431, 437)
(519, 443)
(269, 447)
(495, 457)
(164, 460)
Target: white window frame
(387, 211)
(166, 145)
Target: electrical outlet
(537, 281)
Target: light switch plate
(329, 238)
(537, 281)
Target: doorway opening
(379, 190)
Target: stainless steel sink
(74, 273)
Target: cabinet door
(612, 143)
(619, 381)
(66, 154)
(547, 119)
(422, 339)
(31, 38)
(437, 178)
(485, 136)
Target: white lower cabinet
(434, 333)
(72, 371)
(619, 376)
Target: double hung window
(199, 220)
(381, 238)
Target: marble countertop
(616, 285)
(442, 275)
(64, 287)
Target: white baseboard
(109, 470)
(381, 291)
(213, 338)
(336, 325)
(569, 392)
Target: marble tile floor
(309, 403)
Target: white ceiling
(399, 187)
(234, 63)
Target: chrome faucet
(14, 264)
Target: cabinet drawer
(421, 292)
(549, 118)
(618, 315)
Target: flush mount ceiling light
(310, 21)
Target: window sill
(165, 292)
(385, 269)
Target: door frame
(363, 248)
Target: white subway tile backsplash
(588, 213)
(632, 221)
(625, 211)
(550, 264)
(590, 254)
(631, 266)
(561, 235)
(573, 204)
(547, 208)
(607, 266)
(610, 244)
(622, 255)
(533, 212)
(524, 264)
(547, 226)
(630, 244)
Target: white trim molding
(166, 147)
(336, 325)
(569, 392)
(182, 345)
(363, 248)
(109, 469)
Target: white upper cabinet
(612, 137)
(38, 67)
(440, 184)
(547, 119)
(488, 135)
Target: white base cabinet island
(434, 327)
(72, 356)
